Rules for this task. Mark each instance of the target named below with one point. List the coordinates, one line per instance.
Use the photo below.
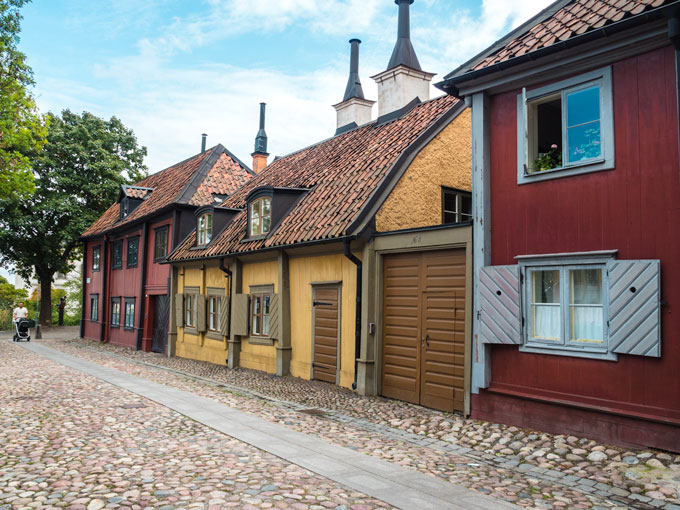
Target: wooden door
(423, 358)
(160, 323)
(326, 329)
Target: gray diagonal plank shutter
(224, 315)
(179, 310)
(501, 321)
(634, 307)
(239, 314)
(274, 317)
(201, 325)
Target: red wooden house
(576, 182)
(125, 288)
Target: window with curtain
(115, 312)
(566, 307)
(214, 319)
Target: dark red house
(576, 186)
(125, 288)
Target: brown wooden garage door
(423, 344)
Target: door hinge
(479, 314)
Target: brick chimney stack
(260, 155)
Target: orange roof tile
(192, 181)
(341, 175)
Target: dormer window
(204, 229)
(260, 216)
(124, 208)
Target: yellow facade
(259, 357)
(319, 269)
(201, 347)
(416, 201)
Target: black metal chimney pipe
(403, 53)
(354, 83)
(261, 138)
(204, 137)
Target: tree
(22, 129)
(77, 175)
(9, 297)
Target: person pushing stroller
(20, 316)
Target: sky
(174, 69)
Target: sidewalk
(529, 468)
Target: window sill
(116, 268)
(126, 328)
(566, 351)
(214, 335)
(191, 331)
(115, 326)
(131, 267)
(260, 340)
(558, 173)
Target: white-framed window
(456, 205)
(259, 313)
(204, 229)
(565, 307)
(260, 216)
(190, 310)
(565, 128)
(214, 313)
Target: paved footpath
(71, 439)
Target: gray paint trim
(481, 232)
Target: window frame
(98, 250)
(129, 301)
(190, 310)
(459, 194)
(134, 239)
(157, 231)
(94, 307)
(216, 295)
(565, 347)
(206, 232)
(259, 200)
(115, 301)
(116, 245)
(601, 77)
(260, 291)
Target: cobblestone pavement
(527, 467)
(70, 441)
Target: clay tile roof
(137, 191)
(339, 175)
(192, 181)
(560, 21)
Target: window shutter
(240, 314)
(224, 316)
(634, 307)
(274, 317)
(179, 310)
(200, 313)
(501, 320)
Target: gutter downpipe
(357, 332)
(105, 275)
(83, 301)
(228, 273)
(142, 298)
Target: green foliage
(549, 160)
(77, 174)
(10, 297)
(22, 130)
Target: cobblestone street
(70, 440)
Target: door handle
(425, 341)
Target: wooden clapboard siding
(423, 358)
(326, 323)
(632, 208)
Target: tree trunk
(45, 300)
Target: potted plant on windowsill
(548, 160)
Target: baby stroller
(22, 330)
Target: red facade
(633, 209)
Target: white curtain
(547, 322)
(587, 323)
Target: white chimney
(404, 80)
(354, 110)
